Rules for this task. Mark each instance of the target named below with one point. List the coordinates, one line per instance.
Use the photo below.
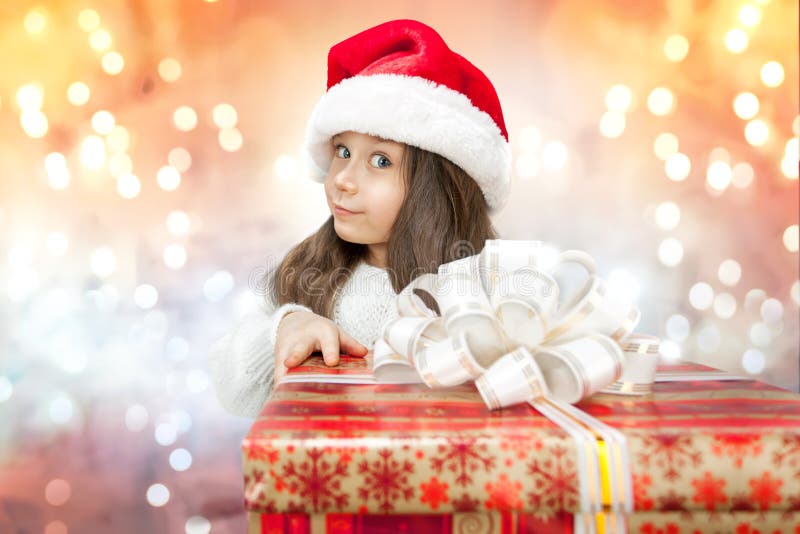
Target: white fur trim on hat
(418, 112)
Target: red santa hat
(400, 81)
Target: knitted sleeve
(242, 362)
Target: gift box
(707, 454)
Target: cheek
(384, 208)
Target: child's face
(365, 178)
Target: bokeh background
(152, 167)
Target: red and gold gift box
(705, 456)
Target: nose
(344, 179)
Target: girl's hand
(301, 333)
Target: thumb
(349, 345)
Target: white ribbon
(499, 323)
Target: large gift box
(707, 453)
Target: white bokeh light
(760, 334)
(668, 215)
(771, 310)
(224, 116)
(6, 388)
(218, 286)
(197, 381)
(103, 262)
(612, 124)
(178, 223)
(145, 296)
(678, 166)
(742, 175)
(791, 238)
(198, 525)
(175, 256)
(554, 156)
(708, 339)
(129, 186)
(753, 361)
(166, 434)
(619, 98)
(676, 47)
(168, 178)
(729, 272)
(678, 328)
(184, 118)
(136, 418)
(665, 145)
(701, 296)
(180, 459)
(61, 409)
(177, 349)
(670, 350)
(661, 101)
(58, 176)
(157, 495)
(724, 305)
(753, 299)
(670, 252)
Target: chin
(347, 236)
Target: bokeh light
(676, 47)
(661, 101)
(772, 74)
(665, 145)
(154, 170)
(736, 40)
(677, 167)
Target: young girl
(413, 149)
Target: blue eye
(380, 161)
(342, 152)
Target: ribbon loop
(499, 322)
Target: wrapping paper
(771, 522)
(695, 446)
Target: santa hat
(400, 81)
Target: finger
(298, 353)
(329, 344)
(350, 345)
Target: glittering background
(151, 168)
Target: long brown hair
(443, 217)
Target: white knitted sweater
(242, 362)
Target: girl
(412, 145)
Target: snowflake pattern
(669, 452)
(316, 480)
(463, 455)
(433, 492)
(641, 487)
(521, 445)
(789, 455)
(765, 490)
(503, 494)
(386, 480)
(709, 490)
(555, 481)
(256, 451)
(465, 503)
(737, 446)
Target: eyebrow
(382, 141)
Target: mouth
(341, 211)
